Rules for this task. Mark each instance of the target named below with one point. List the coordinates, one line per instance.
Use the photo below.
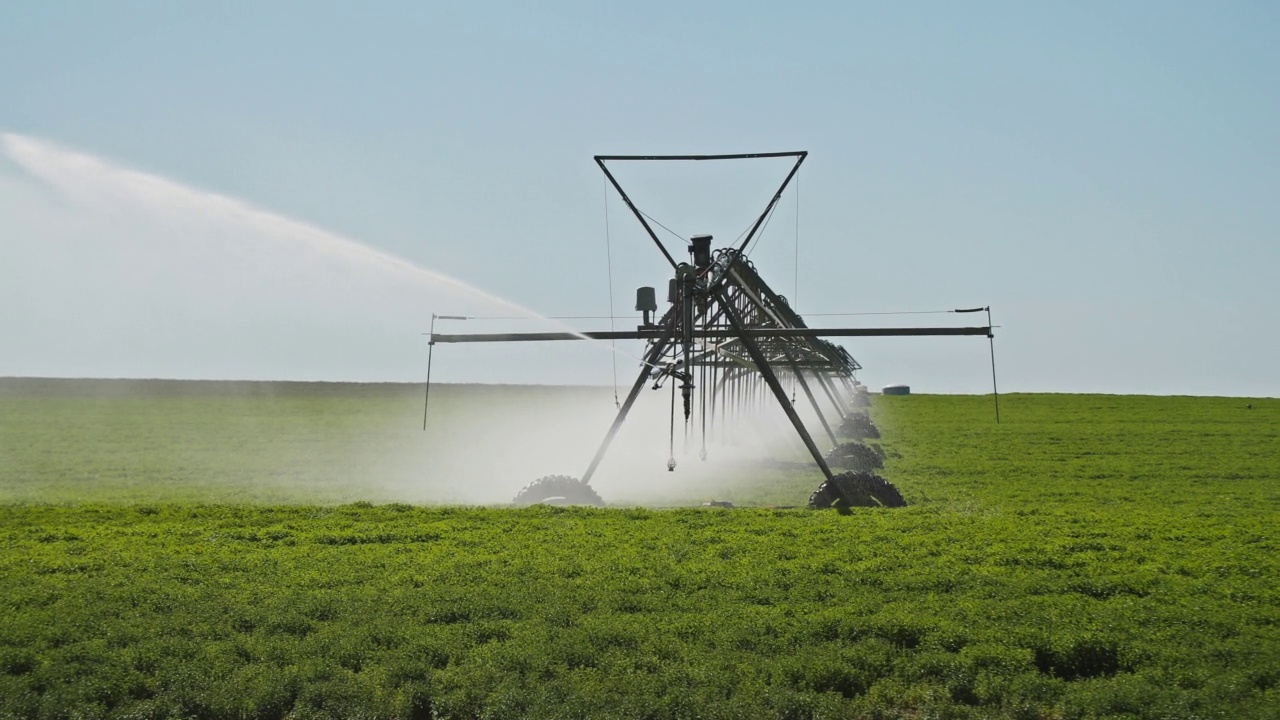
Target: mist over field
(267, 549)
(144, 441)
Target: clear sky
(1105, 175)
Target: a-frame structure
(725, 333)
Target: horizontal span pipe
(656, 333)
(734, 156)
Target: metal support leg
(991, 340)
(431, 347)
(769, 377)
(809, 394)
(835, 401)
(850, 390)
(651, 359)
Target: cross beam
(765, 333)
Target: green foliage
(1089, 557)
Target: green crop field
(269, 550)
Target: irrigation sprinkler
(726, 342)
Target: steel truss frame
(730, 334)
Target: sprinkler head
(671, 465)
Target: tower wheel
(856, 489)
(558, 490)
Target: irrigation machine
(726, 341)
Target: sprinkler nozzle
(671, 465)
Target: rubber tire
(856, 489)
(856, 456)
(557, 490)
(859, 426)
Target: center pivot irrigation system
(726, 341)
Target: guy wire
(756, 240)
(795, 281)
(795, 287)
(664, 227)
(608, 249)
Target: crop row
(223, 611)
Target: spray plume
(98, 183)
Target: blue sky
(1104, 175)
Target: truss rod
(738, 156)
